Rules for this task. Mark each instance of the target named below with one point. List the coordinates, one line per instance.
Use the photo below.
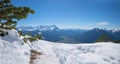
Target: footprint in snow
(106, 60)
(112, 58)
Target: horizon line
(70, 27)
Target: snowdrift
(13, 52)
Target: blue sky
(84, 14)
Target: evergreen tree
(117, 41)
(103, 38)
(10, 14)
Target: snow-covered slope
(97, 53)
(12, 52)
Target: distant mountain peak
(99, 29)
(96, 29)
(116, 30)
(40, 27)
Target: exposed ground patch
(34, 55)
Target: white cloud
(102, 23)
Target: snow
(13, 52)
(40, 28)
(13, 35)
(58, 53)
(27, 36)
(116, 30)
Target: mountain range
(55, 34)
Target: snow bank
(13, 36)
(11, 50)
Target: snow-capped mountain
(44, 28)
(116, 30)
(13, 52)
(40, 28)
(53, 33)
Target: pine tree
(10, 14)
(117, 41)
(103, 38)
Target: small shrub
(32, 39)
(21, 33)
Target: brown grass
(34, 55)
